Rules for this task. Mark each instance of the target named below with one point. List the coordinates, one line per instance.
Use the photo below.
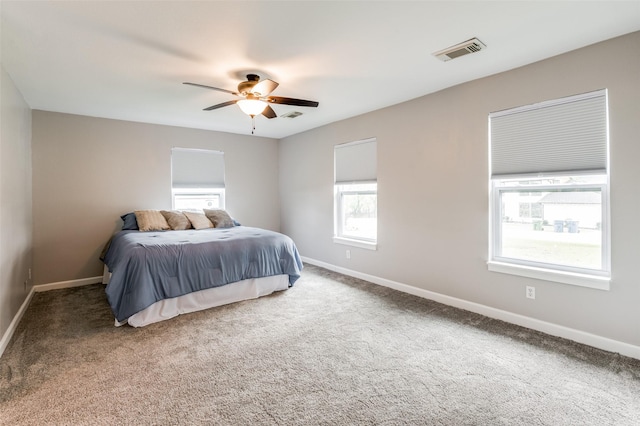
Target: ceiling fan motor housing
(246, 86)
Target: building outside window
(566, 235)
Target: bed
(156, 275)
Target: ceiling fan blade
(264, 87)
(224, 104)
(269, 112)
(212, 88)
(292, 101)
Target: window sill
(583, 280)
(356, 243)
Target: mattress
(209, 298)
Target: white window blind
(356, 162)
(563, 135)
(197, 168)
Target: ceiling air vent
(292, 114)
(461, 49)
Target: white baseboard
(599, 342)
(67, 284)
(6, 338)
(8, 334)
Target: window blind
(356, 162)
(197, 168)
(563, 135)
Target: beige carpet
(332, 350)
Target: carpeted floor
(332, 350)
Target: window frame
(340, 190)
(594, 278)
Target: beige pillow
(198, 220)
(219, 218)
(151, 220)
(176, 220)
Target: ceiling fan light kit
(255, 98)
(252, 106)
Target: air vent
(292, 114)
(461, 49)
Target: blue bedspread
(150, 266)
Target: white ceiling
(127, 59)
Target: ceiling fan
(255, 99)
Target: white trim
(553, 102)
(358, 142)
(67, 284)
(6, 338)
(583, 280)
(355, 243)
(579, 336)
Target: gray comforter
(150, 266)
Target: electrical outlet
(348, 254)
(531, 292)
(29, 273)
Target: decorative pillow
(219, 218)
(151, 220)
(198, 220)
(129, 222)
(176, 220)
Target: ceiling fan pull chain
(253, 123)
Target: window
(356, 194)
(197, 199)
(357, 211)
(550, 191)
(197, 179)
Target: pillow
(198, 220)
(129, 222)
(176, 220)
(151, 220)
(219, 218)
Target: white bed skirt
(204, 299)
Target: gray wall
(433, 190)
(15, 200)
(89, 171)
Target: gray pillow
(176, 220)
(219, 218)
(129, 222)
